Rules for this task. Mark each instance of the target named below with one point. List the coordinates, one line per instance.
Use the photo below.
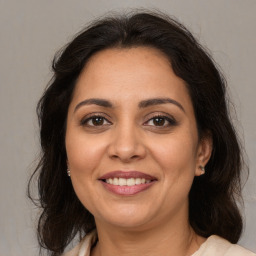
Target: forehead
(139, 53)
(129, 73)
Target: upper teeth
(127, 182)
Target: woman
(139, 155)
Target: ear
(204, 152)
(68, 169)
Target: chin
(128, 218)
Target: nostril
(125, 150)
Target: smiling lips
(127, 183)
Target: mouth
(127, 183)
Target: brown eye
(159, 121)
(94, 121)
(97, 120)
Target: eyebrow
(142, 104)
(99, 102)
(158, 101)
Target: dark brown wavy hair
(212, 199)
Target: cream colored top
(213, 246)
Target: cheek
(84, 153)
(176, 154)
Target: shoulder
(84, 247)
(216, 245)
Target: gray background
(31, 31)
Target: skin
(129, 137)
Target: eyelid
(172, 121)
(169, 118)
(88, 117)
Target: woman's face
(132, 143)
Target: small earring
(68, 171)
(202, 169)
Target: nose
(126, 144)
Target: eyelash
(171, 121)
(84, 122)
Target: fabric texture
(213, 246)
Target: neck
(174, 237)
